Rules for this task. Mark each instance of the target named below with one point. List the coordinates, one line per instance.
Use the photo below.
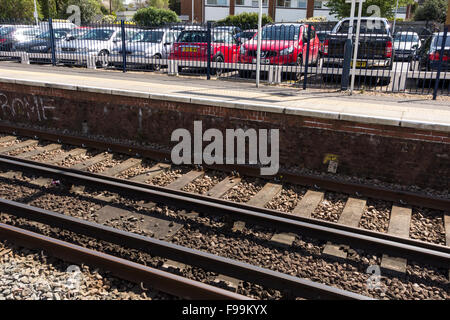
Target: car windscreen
(406, 37)
(148, 36)
(247, 34)
(6, 30)
(193, 36)
(439, 39)
(367, 26)
(58, 34)
(322, 36)
(280, 33)
(98, 34)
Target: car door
(167, 44)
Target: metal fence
(411, 59)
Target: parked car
(98, 41)
(76, 33)
(192, 45)
(282, 44)
(405, 45)
(11, 35)
(375, 48)
(148, 44)
(428, 56)
(42, 42)
(245, 35)
(322, 35)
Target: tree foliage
(160, 4)
(245, 20)
(432, 10)
(17, 9)
(155, 17)
(386, 8)
(48, 8)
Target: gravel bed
(33, 275)
(288, 198)
(376, 216)
(204, 184)
(18, 192)
(140, 169)
(49, 155)
(245, 190)
(427, 225)
(331, 207)
(108, 163)
(10, 143)
(168, 176)
(14, 153)
(73, 160)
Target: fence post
(208, 50)
(52, 41)
(124, 47)
(305, 78)
(441, 55)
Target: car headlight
(287, 51)
(242, 50)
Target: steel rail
(357, 237)
(381, 193)
(124, 269)
(233, 268)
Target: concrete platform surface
(420, 113)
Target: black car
(42, 43)
(428, 56)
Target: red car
(283, 44)
(192, 45)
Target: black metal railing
(409, 59)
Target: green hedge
(155, 17)
(245, 20)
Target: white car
(406, 44)
(148, 44)
(96, 42)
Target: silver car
(406, 44)
(148, 44)
(96, 42)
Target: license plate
(359, 64)
(189, 49)
(263, 61)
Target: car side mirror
(167, 43)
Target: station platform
(404, 110)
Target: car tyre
(156, 66)
(103, 64)
(299, 63)
(217, 71)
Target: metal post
(441, 55)
(305, 78)
(355, 53)
(124, 47)
(52, 41)
(192, 17)
(36, 17)
(395, 18)
(348, 48)
(258, 51)
(208, 50)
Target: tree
(175, 5)
(48, 8)
(386, 8)
(17, 9)
(90, 10)
(155, 17)
(245, 20)
(432, 10)
(160, 4)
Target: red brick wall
(392, 154)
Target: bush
(245, 20)
(155, 17)
(109, 18)
(431, 10)
(314, 19)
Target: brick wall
(392, 154)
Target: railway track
(344, 232)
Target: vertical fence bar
(124, 47)
(208, 50)
(305, 78)
(441, 55)
(52, 41)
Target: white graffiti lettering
(36, 108)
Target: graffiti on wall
(26, 108)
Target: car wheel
(217, 71)
(103, 63)
(299, 64)
(156, 66)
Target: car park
(322, 35)
(148, 44)
(12, 35)
(405, 44)
(42, 43)
(245, 35)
